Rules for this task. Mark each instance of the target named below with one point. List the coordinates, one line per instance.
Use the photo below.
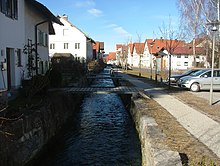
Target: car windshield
(188, 72)
(198, 72)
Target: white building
(70, 39)
(23, 23)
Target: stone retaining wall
(36, 128)
(154, 152)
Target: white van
(201, 80)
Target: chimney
(65, 17)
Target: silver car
(201, 80)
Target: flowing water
(102, 134)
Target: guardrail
(3, 99)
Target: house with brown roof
(180, 51)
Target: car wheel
(195, 87)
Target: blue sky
(117, 21)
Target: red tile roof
(188, 51)
(139, 47)
(111, 56)
(158, 44)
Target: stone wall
(154, 152)
(36, 127)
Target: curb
(154, 153)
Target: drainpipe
(36, 49)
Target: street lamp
(214, 25)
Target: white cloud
(95, 12)
(112, 26)
(121, 31)
(88, 3)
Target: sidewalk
(199, 125)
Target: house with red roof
(181, 54)
(111, 58)
(156, 52)
(121, 55)
(130, 54)
(98, 50)
(138, 52)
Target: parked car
(201, 80)
(175, 78)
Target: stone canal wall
(154, 152)
(35, 128)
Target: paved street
(206, 95)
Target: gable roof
(118, 46)
(44, 12)
(155, 45)
(64, 17)
(111, 56)
(131, 46)
(188, 51)
(139, 47)
(98, 46)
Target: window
(19, 58)
(65, 32)
(9, 8)
(52, 46)
(45, 39)
(185, 63)
(42, 38)
(66, 45)
(217, 73)
(178, 63)
(178, 56)
(186, 56)
(77, 45)
(207, 74)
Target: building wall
(12, 37)
(184, 62)
(71, 35)
(31, 19)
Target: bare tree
(195, 14)
(191, 17)
(172, 39)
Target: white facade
(17, 31)
(69, 39)
(147, 57)
(11, 44)
(184, 62)
(130, 55)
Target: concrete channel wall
(154, 152)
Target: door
(216, 80)
(205, 81)
(8, 56)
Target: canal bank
(36, 127)
(154, 150)
(102, 134)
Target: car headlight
(172, 79)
